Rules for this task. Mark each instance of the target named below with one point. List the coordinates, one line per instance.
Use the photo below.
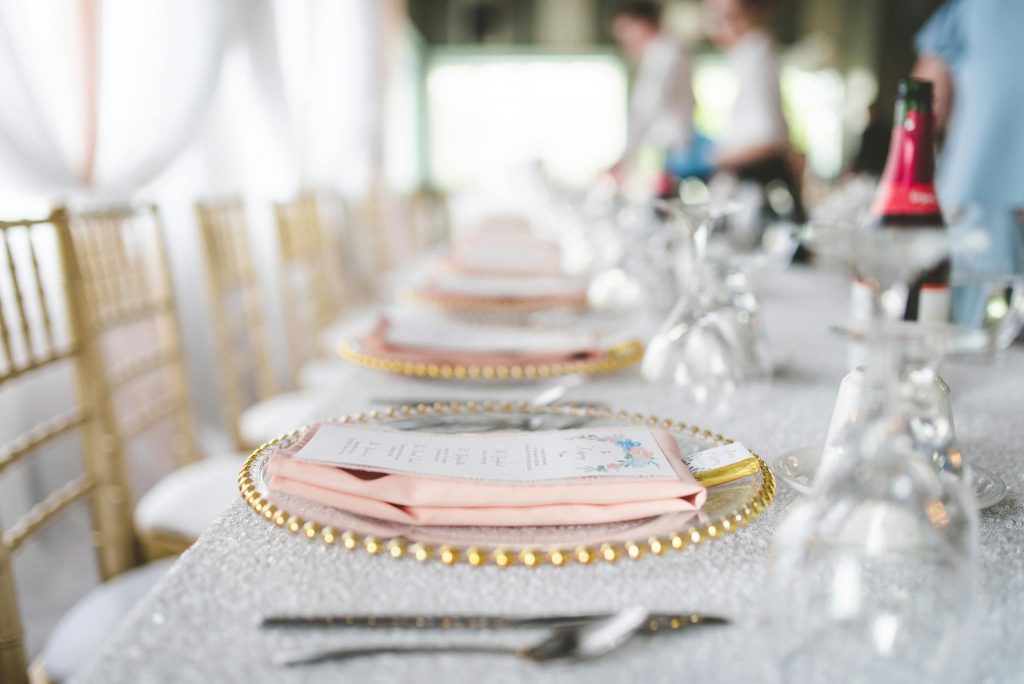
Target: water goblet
(870, 577)
(916, 351)
(993, 303)
(712, 340)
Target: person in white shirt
(755, 145)
(661, 103)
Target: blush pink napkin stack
(377, 343)
(503, 246)
(422, 500)
(505, 254)
(499, 303)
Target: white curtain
(296, 107)
(100, 95)
(329, 56)
(351, 97)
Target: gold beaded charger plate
(609, 360)
(729, 507)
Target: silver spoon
(581, 642)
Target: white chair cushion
(83, 630)
(188, 500)
(278, 415)
(324, 374)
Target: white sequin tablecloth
(200, 624)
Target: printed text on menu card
(510, 457)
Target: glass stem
(699, 238)
(882, 374)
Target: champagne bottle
(906, 195)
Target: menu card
(500, 457)
(542, 456)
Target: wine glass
(738, 315)
(713, 339)
(870, 578)
(926, 397)
(636, 270)
(917, 352)
(993, 303)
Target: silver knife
(656, 621)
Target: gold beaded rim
(450, 554)
(618, 357)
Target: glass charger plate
(614, 358)
(798, 468)
(729, 506)
(951, 338)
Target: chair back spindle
(236, 305)
(312, 274)
(122, 256)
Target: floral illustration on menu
(634, 455)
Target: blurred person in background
(874, 144)
(661, 140)
(973, 51)
(755, 144)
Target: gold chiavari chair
(406, 226)
(365, 246)
(43, 328)
(253, 409)
(129, 297)
(428, 218)
(333, 216)
(311, 278)
(321, 311)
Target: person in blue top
(973, 52)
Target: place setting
(502, 268)
(527, 319)
(887, 265)
(422, 482)
(448, 348)
(537, 484)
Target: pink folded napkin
(377, 344)
(447, 298)
(505, 254)
(431, 500)
(503, 224)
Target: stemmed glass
(636, 268)
(713, 338)
(871, 577)
(926, 397)
(994, 303)
(917, 350)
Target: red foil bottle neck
(908, 185)
(911, 155)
